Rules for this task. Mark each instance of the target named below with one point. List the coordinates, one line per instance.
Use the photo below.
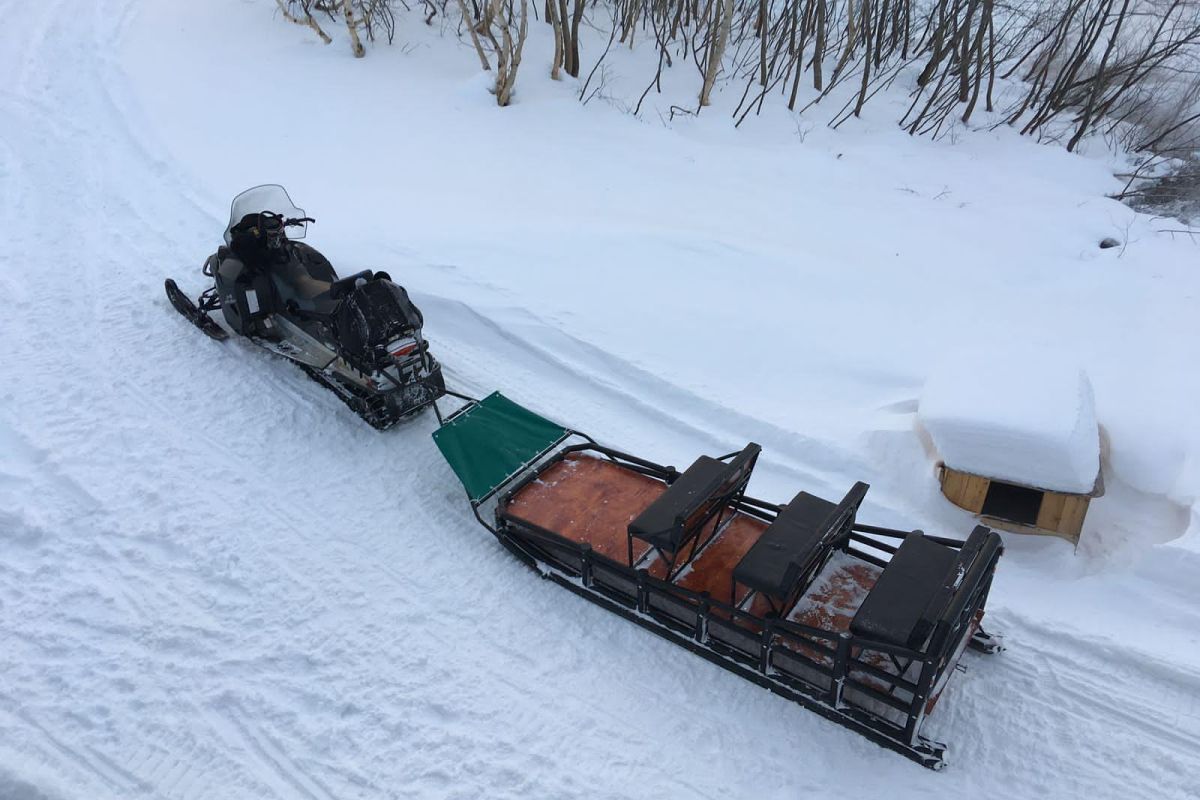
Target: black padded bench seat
(692, 499)
(797, 544)
(915, 589)
(659, 524)
(787, 548)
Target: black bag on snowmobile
(249, 242)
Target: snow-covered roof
(1032, 426)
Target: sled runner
(862, 624)
(359, 336)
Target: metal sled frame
(821, 670)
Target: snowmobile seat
(306, 279)
(296, 283)
(314, 262)
(310, 288)
(915, 589)
(695, 497)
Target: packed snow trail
(215, 582)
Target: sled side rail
(895, 533)
(834, 669)
(820, 663)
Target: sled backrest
(692, 499)
(795, 545)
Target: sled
(862, 624)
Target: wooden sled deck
(592, 501)
(587, 500)
(861, 624)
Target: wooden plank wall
(1063, 513)
(964, 489)
(1060, 514)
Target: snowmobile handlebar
(286, 222)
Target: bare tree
(506, 34)
(304, 17)
(565, 17)
(554, 18)
(1062, 69)
(473, 26)
(352, 24)
(718, 39)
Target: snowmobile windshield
(268, 197)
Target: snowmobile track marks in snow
(272, 755)
(83, 758)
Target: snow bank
(1025, 423)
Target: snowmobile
(359, 336)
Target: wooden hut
(1024, 455)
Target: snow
(215, 582)
(832, 577)
(1025, 421)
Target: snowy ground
(215, 582)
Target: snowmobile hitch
(438, 411)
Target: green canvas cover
(491, 441)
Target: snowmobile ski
(194, 315)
